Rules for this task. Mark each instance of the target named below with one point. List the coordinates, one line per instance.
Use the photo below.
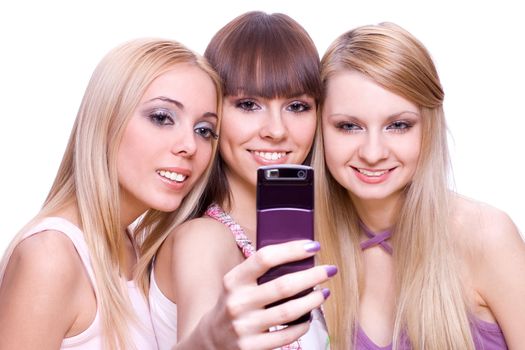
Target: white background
(49, 49)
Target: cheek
(410, 149)
(129, 151)
(203, 158)
(302, 131)
(335, 153)
(338, 147)
(235, 130)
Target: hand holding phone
(285, 212)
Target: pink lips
(373, 179)
(172, 184)
(264, 157)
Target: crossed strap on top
(376, 239)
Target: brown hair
(265, 55)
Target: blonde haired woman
(420, 266)
(143, 138)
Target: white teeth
(172, 175)
(270, 155)
(372, 173)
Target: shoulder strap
(245, 245)
(73, 233)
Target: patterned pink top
(245, 245)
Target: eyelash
(400, 126)
(159, 117)
(243, 104)
(298, 107)
(162, 117)
(249, 105)
(206, 132)
(348, 127)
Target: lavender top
(486, 336)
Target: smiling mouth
(372, 173)
(171, 175)
(270, 155)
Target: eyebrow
(390, 117)
(169, 100)
(180, 105)
(210, 114)
(397, 115)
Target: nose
(374, 148)
(274, 127)
(184, 142)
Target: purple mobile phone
(285, 212)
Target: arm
(239, 319)
(502, 274)
(203, 252)
(218, 309)
(37, 295)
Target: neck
(128, 215)
(378, 214)
(71, 213)
(130, 210)
(243, 208)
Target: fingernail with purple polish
(326, 293)
(331, 270)
(313, 246)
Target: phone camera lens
(272, 173)
(301, 174)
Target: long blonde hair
(431, 308)
(88, 178)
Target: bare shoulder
(204, 233)
(202, 243)
(49, 256)
(496, 266)
(40, 288)
(483, 226)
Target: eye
(161, 117)
(247, 105)
(348, 127)
(206, 131)
(400, 126)
(298, 107)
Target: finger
(289, 285)
(293, 283)
(260, 320)
(291, 310)
(268, 257)
(274, 339)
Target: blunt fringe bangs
(267, 55)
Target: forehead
(353, 93)
(186, 83)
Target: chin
(374, 195)
(167, 207)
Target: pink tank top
(142, 335)
(317, 336)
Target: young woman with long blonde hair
(141, 146)
(421, 267)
